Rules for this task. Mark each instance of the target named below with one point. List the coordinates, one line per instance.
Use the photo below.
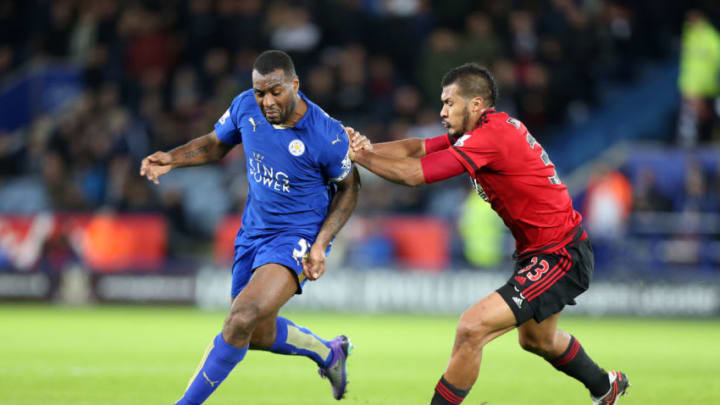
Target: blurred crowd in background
(157, 73)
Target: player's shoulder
(324, 126)
(490, 130)
(501, 121)
(244, 101)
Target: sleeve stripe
(467, 159)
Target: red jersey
(511, 171)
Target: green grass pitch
(145, 355)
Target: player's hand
(314, 262)
(358, 141)
(155, 166)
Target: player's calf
(578, 365)
(541, 346)
(292, 339)
(217, 362)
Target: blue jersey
(290, 171)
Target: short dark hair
(269, 61)
(473, 80)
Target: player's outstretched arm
(407, 171)
(341, 207)
(205, 149)
(411, 147)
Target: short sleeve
(475, 150)
(225, 127)
(440, 165)
(437, 143)
(334, 158)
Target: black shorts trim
(543, 284)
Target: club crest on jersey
(296, 147)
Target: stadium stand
(90, 87)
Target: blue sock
(296, 340)
(219, 359)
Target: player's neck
(477, 119)
(301, 108)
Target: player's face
(276, 95)
(455, 115)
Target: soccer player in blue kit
(302, 190)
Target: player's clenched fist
(155, 166)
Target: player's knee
(241, 322)
(472, 330)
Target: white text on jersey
(266, 175)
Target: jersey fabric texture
(511, 171)
(290, 172)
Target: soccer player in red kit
(553, 257)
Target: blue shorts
(252, 252)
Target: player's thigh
(270, 287)
(543, 284)
(242, 268)
(288, 250)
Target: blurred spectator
(481, 45)
(647, 197)
(483, 233)
(606, 211)
(59, 29)
(292, 29)
(699, 79)
(618, 32)
(524, 41)
(320, 87)
(696, 196)
(608, 203)
(443, 53)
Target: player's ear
(295, 84)
(477, 104)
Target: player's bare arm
(341, 207)
(411, 147)
(407, 171)
(205, 149)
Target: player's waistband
(577, 234)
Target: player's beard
(285, 116)
(466, 120)
(457, 131)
